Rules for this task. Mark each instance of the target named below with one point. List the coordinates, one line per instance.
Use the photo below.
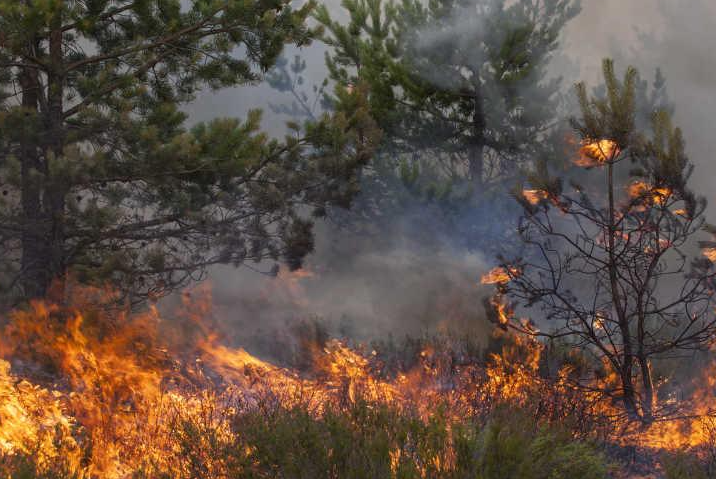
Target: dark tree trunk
(648, 383)
(57, 188)
(35, 254)
(43, 195)
(626, 373)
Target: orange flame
(595, 153)
(499, 275)
(534, 197)
(654, 195)
(710, 253)
(123, 384)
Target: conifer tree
(460, 87)
(100, 176)
(608, 256)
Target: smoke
(361, 287)
(395, 281)
(676, 37)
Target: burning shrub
(115, 394)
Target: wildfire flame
(122, 384)
(710, 253)
(534, 197)
(596, 153)
(499, 275)
(654, 195)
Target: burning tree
(100, 175)
(606, 256)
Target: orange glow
(596, 153)
(123, 382)
(535, 196)
(654, 195)
(710, 253)
(498, 275)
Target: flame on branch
(499, 274)
(597, 152)
(534, 197)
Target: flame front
(123, 394)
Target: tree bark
(35, 256)
(42, 194)
(626, 373)
(648, 383)
(57, 188)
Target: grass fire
(355, 240)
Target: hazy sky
(676, 35)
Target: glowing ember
(595, 153)
(534, 197)
(710, 253)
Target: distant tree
(289, 78)
(461, 88)
(99, 175)
(607, 258)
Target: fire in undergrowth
(108, 392)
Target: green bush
(364, 441)
(513, 446)
(684, 466)
(368, 442)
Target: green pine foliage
(100, 175)
(460, 87)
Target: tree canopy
(102, 178)
(460, 87)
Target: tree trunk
(35, 254)
(42, 195)
(57, 188)
(629, 394)
(648, 383)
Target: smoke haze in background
(405, 285)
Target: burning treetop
(598, 268)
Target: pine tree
(460, 87)
(102, 179)
(607, 255)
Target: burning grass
(90, 392)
